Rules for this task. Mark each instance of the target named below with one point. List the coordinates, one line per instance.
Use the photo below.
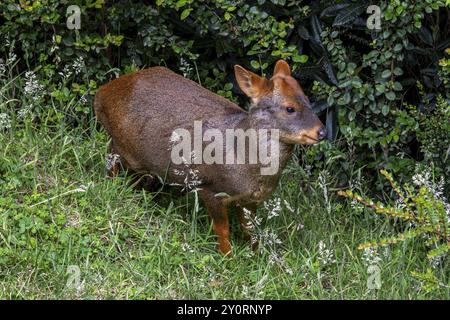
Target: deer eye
(290, 110)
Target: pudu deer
(140, 111)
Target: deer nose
(322, 133)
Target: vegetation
(67, 231)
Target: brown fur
(140, 111)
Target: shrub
(424, 210)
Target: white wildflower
(326, 256)
(54, 46)
(423, 179)
(191, 176)
(5, 121)
(2, 68)
(371, 256)
(268, 238)
(354, 204)
(174, 139)
(12, 57)
(111, 160)
(83, 100)
(78, 65)
(192, 180)
(186, 247)
(323, 177)
(274, 207)
(32, 87)
(66, 72)
(274, 258)
(185, 68)
(253, 221)
(26, 112)
(436, 261)
(178, 172)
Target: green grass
(58, 209)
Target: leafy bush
(425, 212)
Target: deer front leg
(219, 215)
(245, 214)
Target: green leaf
(398, 71)
(397, 86)
(425, 35)
(349, 14)
(398, 47)
(180, 3)
(330, 100)
(228, 86)
(351, 115)
(341, 101)
(399, 10)
(185, 13)
(380, 87)
(316, 30)
(330, 72)
(300, 58)
(347, 98)
(356, 83)
(255, 64)
(386, 74)
(390, 95)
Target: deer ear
(281, 68)
(253, 85)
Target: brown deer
(140, 111)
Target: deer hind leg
(245, 215)
(219, 215)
